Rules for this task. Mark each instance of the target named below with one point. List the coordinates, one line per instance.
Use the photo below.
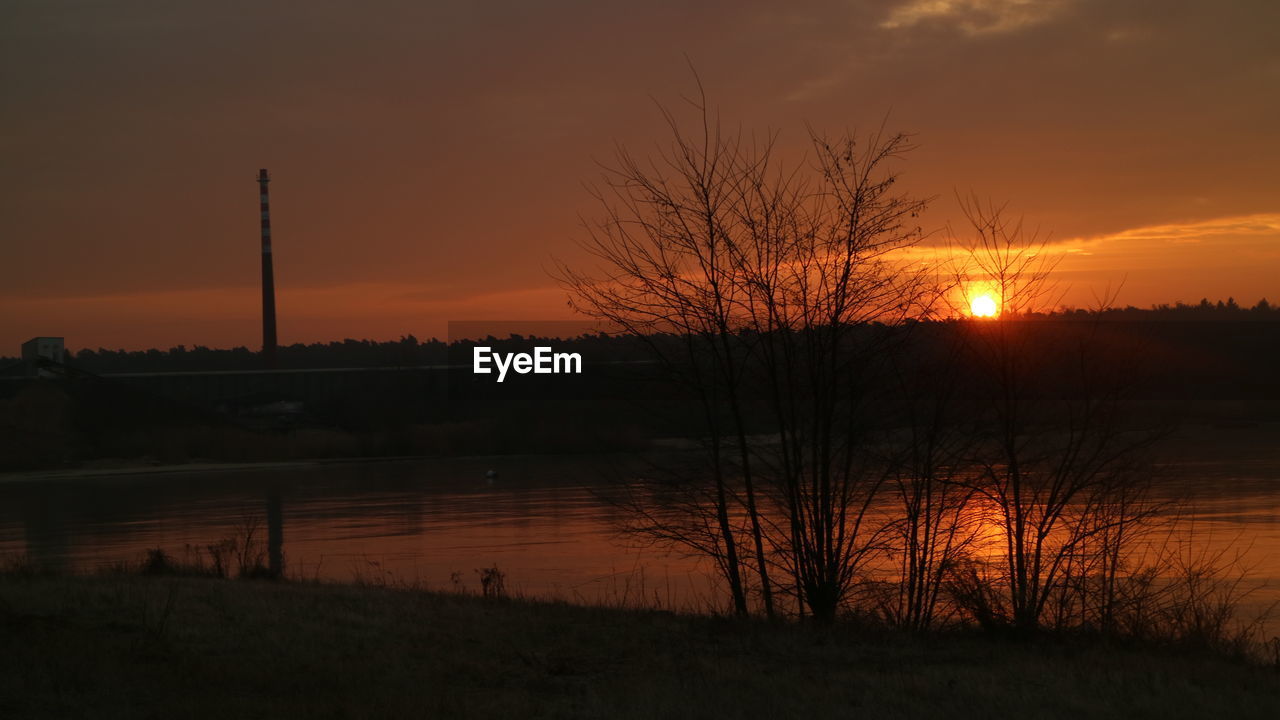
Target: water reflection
(548, 523)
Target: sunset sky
(428, 158)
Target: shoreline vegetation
(146, 642)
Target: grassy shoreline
(130, 646)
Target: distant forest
(409, 351)
(1215, 370)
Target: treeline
(1228, 311)
(409, 351)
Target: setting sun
(984, 306)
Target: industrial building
(48, 348)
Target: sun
(984, 306)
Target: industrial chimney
(268, 279)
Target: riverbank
(1194, 443)
(130, 646)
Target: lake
(547, 522)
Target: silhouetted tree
(1057, 478)
(772, 277)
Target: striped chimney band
(263, 179)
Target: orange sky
(428, 161)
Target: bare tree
(829, 293)
(784, 285)
(1057, 474)
(666, 266)
(934, 527)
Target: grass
(127, 646)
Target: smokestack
(268, 279)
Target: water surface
(547, 522)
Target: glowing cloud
(974, 17)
